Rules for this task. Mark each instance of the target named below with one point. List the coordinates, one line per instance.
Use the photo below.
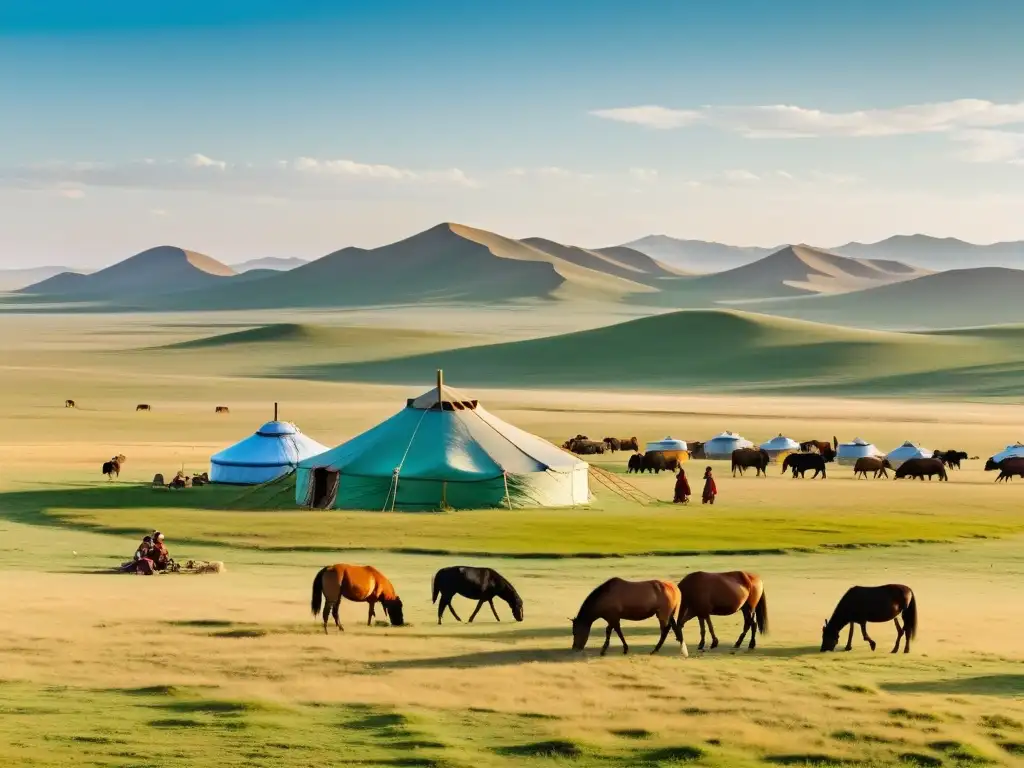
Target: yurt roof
(858, 441)
(275, 444)
(1011, 450)
(781, 443)
(908, 449)
(668, 443)
(444, 438)
(727, 436)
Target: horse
(143, 407)
(824, 447)
(950, 458)
(221, 409)
(919, 468)
(482, 584)
(705, 595)
(69, 403)
(112, 468)
(618, 599)
(1008, 467)
(873, 464)
(745, 458)
(875, 604)
(360, 584)
(799, 463)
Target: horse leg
(864, 634)
(370, 613)
(476, 611)
(607, 640)
(701, 646)
(618, 631)
(441, 606)
(327, 613)
(714, 637)
(899, 635)
(451, 609)
(849, 640)
(684, 616)
(664, 633)
(491, 603)
(748, 620)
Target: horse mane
(593, 597)
(507, 589)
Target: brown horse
(360, 584)
(875, 604)
(618, 599)
(824, 447)
(722, 594)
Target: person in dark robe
(682, 490)
(710, 489)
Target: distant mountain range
(15, 279)
(276, 263)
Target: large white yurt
(721, 446)
(273, 451)
(1011, 451)
(442, 451)
(779, 447)
(858, 448)
(907, 451)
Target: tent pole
(508, 499)
(440, 391)
(275, 411)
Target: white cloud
(198, 161)
(550, 172)
(991, 146)
(782, 121)
(740, 176)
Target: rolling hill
(164, 269)
(16, 279)
(939, 253)
(720, 351)
(697, 256)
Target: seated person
(145, 548)
(160, 556)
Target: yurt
(442, 451)
(1012, 451)
(857, 448)
(274, 450)
(721, 446)
(670, 448)
(779, 447)
(907, 451)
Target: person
(682, 491)
(145, 548)
(710, 489)
(160, 556)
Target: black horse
(875, 604)
(482, 584)
(801, 462)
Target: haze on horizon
(245, 130)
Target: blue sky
(247, 129)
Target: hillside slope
(16, 279)
(697, 256)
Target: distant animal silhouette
(799, 463)
(951, 459)
(69, 403)
(222, 409)
(1008, 468)
(861, 605)
(143, 407)
(876, 465)
(824, 447)
(656, 462)
(747, 458)
(617, 600)
(112, 468)
(919, 468)
(703, 595)
(481, 584)
(622, 444)
(635, 463)
(586, 447)
(360, 584)
(696, 449)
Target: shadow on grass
(982, 685)
(485, 659)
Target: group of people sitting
(682, 489)
(150, 557)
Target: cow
(586, 447)
(69, 403)
(745, 458)
(143, 407)
(874, 464)
(636, 464)
(112, 468)
(824, 447)
(656, 461)
(919, 468)
(1008, 467)
(951, 459)
(799, 463)
(622, 444)
(222, 409)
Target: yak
(874, 464)
(222, 409)
(799, 463)
(586, 447)
(745, 458)
(636, 464)
(919, 468)
(656, 461)
(622, 444)
(951, 459)
(1008, 467)
(112, 468)
(824, 447)
(696, 449)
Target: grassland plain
(189, 670)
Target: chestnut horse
(360, 584)
(618, 599)
(704, 595)
(875, 604)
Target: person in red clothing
(710, 489)
(160, 556)
(682, 491)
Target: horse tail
(434, 588)
(318, 591)
(910, 617)
(761, 614)
(835, 443)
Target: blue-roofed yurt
(780, 447)
(274, 450)
(442, 451)
(721, 446)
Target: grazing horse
(1008, 467)
(875, 604)
(745, 458)
(69, 403)
(360, 584)
(221, 409)
(143, 407)
(618, 599)
(112, 468)
(824, 447)
(705, 595)
(799, 463)
(873, 464)
(919, 468)
(482, 584)
(951, 459)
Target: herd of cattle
(814, 455)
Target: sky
(245, 129)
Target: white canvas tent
(907, 451)
(857, 448)
(273, 451)
(779, 447)
(721, 446)
(443, 450)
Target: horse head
(829, 638)
(580, 633)
(393, 610)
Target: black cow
(1008, 468)
(873, 464)
(799, 463)
(951, 459)
(747, 458)
(919, 468)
